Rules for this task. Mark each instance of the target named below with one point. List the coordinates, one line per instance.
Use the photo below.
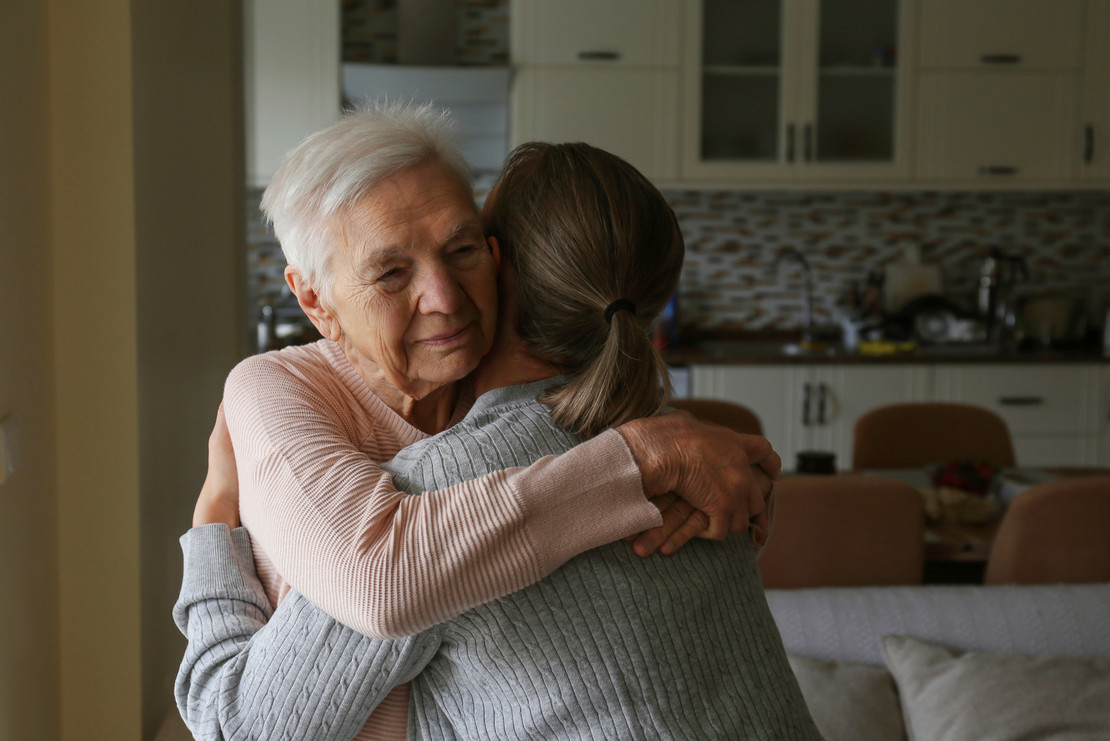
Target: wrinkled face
(414, 282)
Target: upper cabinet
(999, 88)
(1094, 155)
(606, 73)
(292, 77)
(797, 90)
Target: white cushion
(952, 695)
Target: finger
(661, 502)
(693, 525)
(718, 527)
(674, 514)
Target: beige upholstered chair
(1055, 532)
(846, 530)
(724, 413)
(918, 434)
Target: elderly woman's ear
(311, 304)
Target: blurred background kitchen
(884, 200)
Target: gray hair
(332, 169)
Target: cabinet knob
(992, 170)
(1088, 144)
(790, 142)
(599, 56)
(1000, 59)
(806, 392)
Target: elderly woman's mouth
(449, 338)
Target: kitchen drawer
(1039, 400)
(643, 33)
(1001, 34)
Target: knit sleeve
(390, 564)
(299, 675)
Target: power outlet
(9, 447)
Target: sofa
(941, 663)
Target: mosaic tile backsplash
(732, 239)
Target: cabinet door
(292, 82)
(628, 111)
(773, 392)
(856, 101)
(739, 63)
(1046, 407)
(1095, 154)
(997, 128)
(844, 393)
(616, 32)
(968, 34)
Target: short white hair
(332, 169)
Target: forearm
(300, 673)
(389, 564)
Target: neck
(509, 364)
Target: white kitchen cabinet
(797, 90)
(292, 84)
(606, 73)
(812, 407)
(1095, 146)
(998, 91)
(1053, 411)
(1099, 418)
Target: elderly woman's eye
(391, 275)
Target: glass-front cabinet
(797, 89)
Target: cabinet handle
(822, 390)
(599, 56)
(997, 170)
(1000, 59)
(1020, 401)
(807, 142)
(790, 142)
(806, 392)
(1088, 144)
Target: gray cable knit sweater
(610, 646)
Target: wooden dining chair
(724, 413)
(1054, 532)
(844, 530)
(922, 433)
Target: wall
(120, 197)
(29, 699)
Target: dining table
(957, 550)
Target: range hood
(478, 97)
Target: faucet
(794, 256)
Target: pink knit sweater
(324, 517)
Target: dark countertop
(785, 351)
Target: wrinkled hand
(708, 466)
(219, 497)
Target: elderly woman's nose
(440, 292)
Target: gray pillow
(952, 695)
(850, 701)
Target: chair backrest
(1055, 532)
(844, 531)
(724, 413)
(918, 434)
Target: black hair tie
(621, 304)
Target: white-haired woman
(388, 259)
(609, 645)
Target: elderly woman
(388, 259)
(607, 646)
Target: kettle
(999, 274)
